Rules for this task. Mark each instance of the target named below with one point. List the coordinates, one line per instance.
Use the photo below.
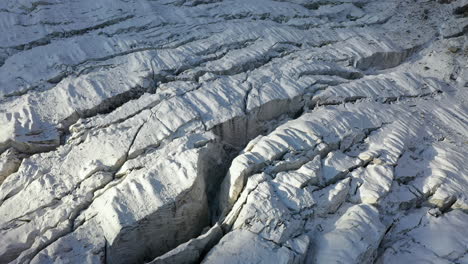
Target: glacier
(234, 131)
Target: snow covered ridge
(234, 131)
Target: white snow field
(234, 131)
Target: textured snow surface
(234, 131)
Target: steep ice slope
(233, 131)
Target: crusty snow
(234, 131)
